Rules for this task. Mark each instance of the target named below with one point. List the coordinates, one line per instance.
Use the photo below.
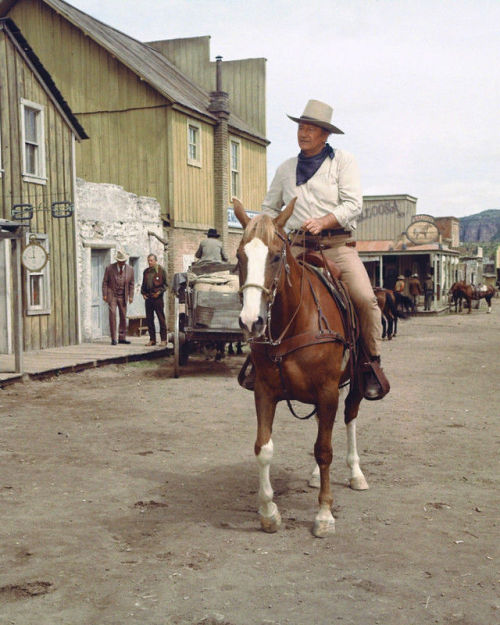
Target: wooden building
(392, 239)
(38, 132)
(160, 119)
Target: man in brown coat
(117, 290)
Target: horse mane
(260, 226)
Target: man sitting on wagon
(210, 249)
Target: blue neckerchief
(307, 166)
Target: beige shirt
(334, 188)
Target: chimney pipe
(218, 73)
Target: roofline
(199, 108)
(22, 46)
(400, 196)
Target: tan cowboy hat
(400, 278)
(121, 256)
(318, 114)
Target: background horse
(387, 304)
(462, 290)
(299, 351)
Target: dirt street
(129, 497)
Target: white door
(99, 309)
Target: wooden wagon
(206, 309)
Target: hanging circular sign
(34, 257)
(422, 232)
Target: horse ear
(239, 212)
(285, 214)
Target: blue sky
(415, 84)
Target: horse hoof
(322, 529)
(315, 481)
(358, 483)
(270, 524)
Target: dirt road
(129, 497)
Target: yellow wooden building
(38, 133)
(159, 119)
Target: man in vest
(154, 284)
(117, 290)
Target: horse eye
(276, 258)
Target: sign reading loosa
(386, 207)
(232, 222)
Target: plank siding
(19, 81)
(253, 177)
(124, 117)
(137, 140)
(193, 186)
(244, 80)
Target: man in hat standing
(117, 289)
(327, 186)
(211, 248)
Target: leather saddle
(318, 260)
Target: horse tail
(391, 304)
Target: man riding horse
(326, 183)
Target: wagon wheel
(180, 345)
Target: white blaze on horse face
(256, 252)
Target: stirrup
(372, 372)
(247, 380)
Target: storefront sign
(386, 207)
(232, 221)
(422, 230)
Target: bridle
(271, 295)
(271, 292)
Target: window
(33, 142)
(133, 261)
(38, 282)
(194, 144)
(235, 156)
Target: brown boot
(376, 385)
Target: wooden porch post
(18, 303)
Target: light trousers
(358, 284)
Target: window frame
(232, 171)
(195, 162)
(44, 308)
(40, 174)
(134, 262)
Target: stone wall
(110, 218)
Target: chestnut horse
(300, 352)
(387, 304)
(462, 290)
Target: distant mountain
(482, 227)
